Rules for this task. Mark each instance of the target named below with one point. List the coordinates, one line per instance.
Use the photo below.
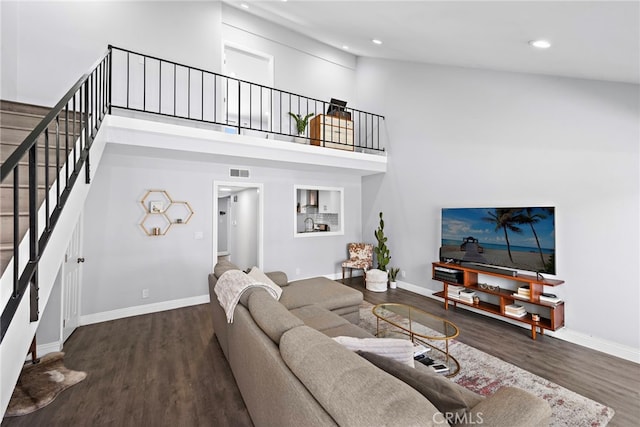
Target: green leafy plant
(381, 251)
(393, 273)
(301, 122)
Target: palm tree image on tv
(519, 238)
(505, 220)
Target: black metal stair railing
(146, 84)
(69, 128)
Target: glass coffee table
(423, 328)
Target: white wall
(320, 71)
(470, 138)
(51, 44)
(121, 260)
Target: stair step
(6, 198)
(5, 257)
(21, 107)
(6, 151)
(23, 171)
(30, 121)
(11, 138)
(6, 225)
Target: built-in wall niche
(318, 211)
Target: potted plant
(393, 273)
(301, 123)
(381, 251)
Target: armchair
(360, 258)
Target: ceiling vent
(239, 173)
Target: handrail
(84, 105)
(156, 87)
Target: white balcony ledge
(189, 142)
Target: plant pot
(300, 139)
(393, 284)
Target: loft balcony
(170, 107)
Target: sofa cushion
(352, 391)
(259, 276)
(279, 277)
(321, 291)
(394, 348)
(349, 330)
(223, 266)
(445, 395)
(318, 318)
(271, 316)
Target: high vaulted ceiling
(590, 39)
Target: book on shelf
(515, 310)
(454, 291)
(550, 300)
(515, 295)
(518, 316)
(524, 291)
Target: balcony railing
(144, 83)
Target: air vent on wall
(239, 173)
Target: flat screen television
(513, 238)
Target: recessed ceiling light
(376, 41)
(244, 5)
(540, 44)
(345, 47)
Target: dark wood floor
(167, 369)
(161, 369)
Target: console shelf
(551, 316)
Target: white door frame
(260, 226)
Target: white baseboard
(612, 348)
(121, 313)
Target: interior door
(71, 283)
(252, 102)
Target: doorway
(238, 211)
(71, 282)
(248, 65)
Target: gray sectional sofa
(291, 373)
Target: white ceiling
(590, 39)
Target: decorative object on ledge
(332, 132)
(301, 125)
(161, 212)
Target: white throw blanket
(232, 284)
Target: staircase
(17, 120)
(44, 180)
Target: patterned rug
(485, 374)
(41, 383)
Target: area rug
(485, 374)
(41, 383)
